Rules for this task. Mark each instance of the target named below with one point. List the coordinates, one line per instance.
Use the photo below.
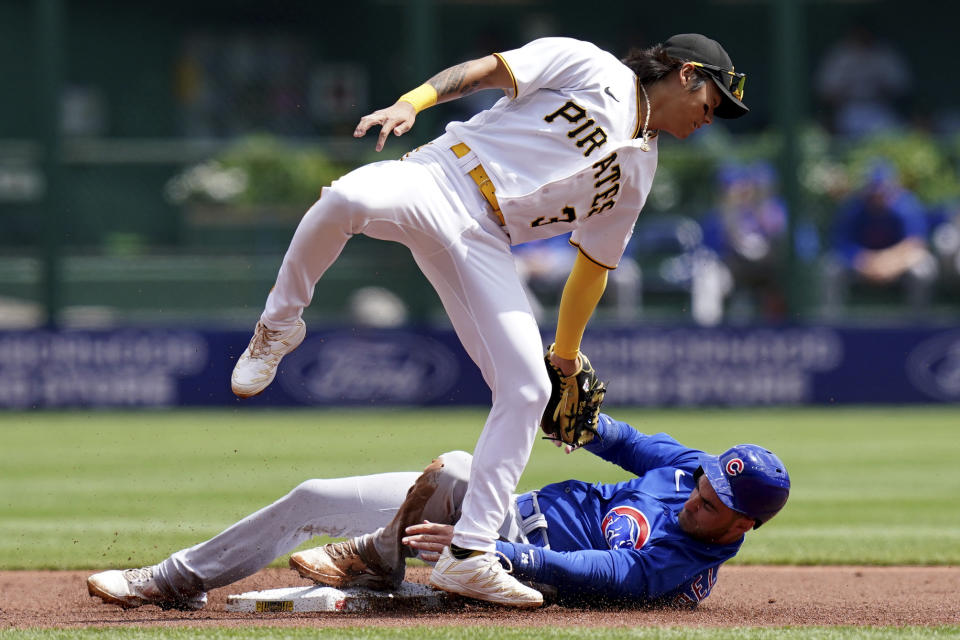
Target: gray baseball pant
(339, 507)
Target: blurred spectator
(663, 251)
(945, 239)
(880, 240)
(544, 265)
(861, 79)
(746, 235)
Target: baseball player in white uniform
(571, 147)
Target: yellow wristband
(421, 98)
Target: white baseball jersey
(562, 150)
(562, 155)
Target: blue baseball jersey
(622, 542)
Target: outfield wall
(645, 366)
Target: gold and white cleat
(482, 577)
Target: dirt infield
(743, 596)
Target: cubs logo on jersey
(625, 528)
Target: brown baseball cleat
(341, 564)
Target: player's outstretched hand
(397, 118)
(429, 538)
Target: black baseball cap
(714, 61)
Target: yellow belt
(480, 176)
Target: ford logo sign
(370, 367)
(934, 366)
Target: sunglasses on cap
(733, 80)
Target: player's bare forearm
(459, 80)
(469, 77)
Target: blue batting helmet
(750, 480)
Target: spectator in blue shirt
(747, 234)
(880, 240)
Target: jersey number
(569, 215)
(679, 473)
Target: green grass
(94, 489)
(493, 633)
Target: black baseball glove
(574, 405)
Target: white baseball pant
(428, 203)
